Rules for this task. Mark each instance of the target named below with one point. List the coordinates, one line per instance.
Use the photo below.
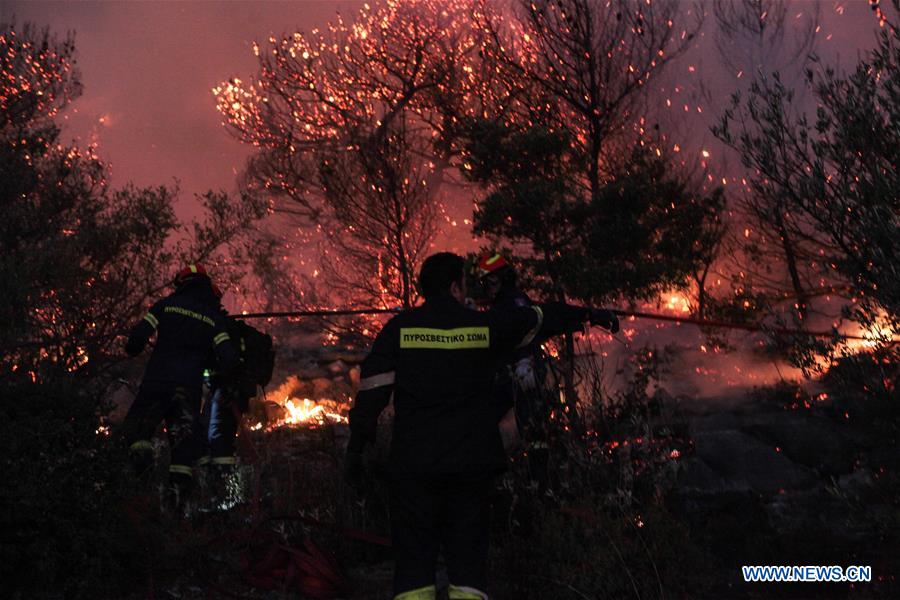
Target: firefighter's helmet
(192, 272)
(490, 263)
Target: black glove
(605, 318)
(354, 470)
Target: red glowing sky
(148, 69)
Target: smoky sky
(148, 69)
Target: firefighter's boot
(140, 455)
(225, 490)
(178, 491)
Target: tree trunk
(790, 257)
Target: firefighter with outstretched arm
(519, 385)
(189, 329)
(438, 362)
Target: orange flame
(310, 412)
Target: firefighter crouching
(438, 361)
(189, 328)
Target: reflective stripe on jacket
(190, 330)
(439, 361)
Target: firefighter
(220, 419)
(189, 329)
(524, 368)
(229, 398)
(438, 362)
(518, 386)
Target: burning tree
(755, 35)
(589, 64)
(834, 175)
(576, 178)
(80, 260)
(65, 235)
(352, 130)
(582, 69)
(779, 258)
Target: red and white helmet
(190, 273)
(489, 263)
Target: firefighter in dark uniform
(220, 422)
(438, 361)
(519, 384)
(229, 398)
(220, 419)
(189, 330)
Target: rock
(352, 356)
(694, 474)
(744, 462)
(274, 412)
(715, 422)
(312, 374)
(321, 387)
(337, 367)
(329, 353)
(814, 444)
(121, 400)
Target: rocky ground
(779, 482)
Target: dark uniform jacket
(190, 330)
(510, 299)
(439, 361)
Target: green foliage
(643, 230)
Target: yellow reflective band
(492, 259)
(529, 337)
(181, 470)
(461, 338)
(193, 268)
(429, 592)
(203, 460)
(141, 446)
(224, 460)
(190, 313)
(376, 381)
(465, 593)
(222, 337)
(152, 320)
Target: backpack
(257, 355)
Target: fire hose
(757, 327)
